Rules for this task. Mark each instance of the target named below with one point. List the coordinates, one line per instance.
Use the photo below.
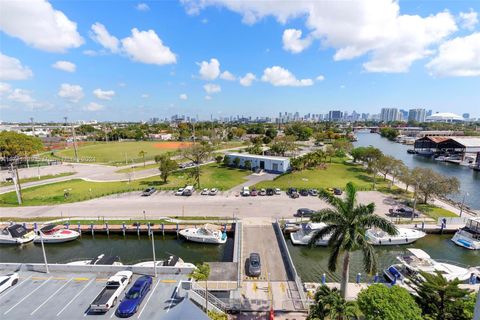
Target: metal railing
(218, 304)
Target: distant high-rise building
(429, 113)
(466, 116)
(417, 115)
(365, 116)
(389, 115)
(403, 115)
(335, 115)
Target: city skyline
(158, 59)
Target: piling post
(123, 229)
(148, 229)
(177, 229)
(423, 225)
(138, 229)
(79, 229)
(35, 226)
(91, 228)
(359, 275)
(324, 278)
(25, 225)
(67, 225)
(163, 230)
(108, 230)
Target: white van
(245, 191)
(188, 191)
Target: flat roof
(256, 156)
(467, 141)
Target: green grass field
(337, 174)
(435, 212)
(213, 176)
(120, 153)
(45, 177)
(138, 167)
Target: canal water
(131, 249)
(469, 179)
(311, 263)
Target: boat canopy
(212, 227)
(473, 224)
(106, 260)
(17, 230)
(171, 261)
(48, 227)
(419, 253)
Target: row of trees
(13, 144)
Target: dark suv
(304, 212)
(254, 267)
(292, 193)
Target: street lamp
(463, 202)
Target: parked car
(8, 281)
(148, 192)
(304, 212)
(245, 192)
(270, 192)
(402, 213)
(329, 190)
(107, 298)
(292, 193)
(254, 267)
(277, 191)
(303, 192)
(134, 297)
(337, 192)
(179, 192)
(188, 191)
(262, 192)
(313, 192)
(254, 192)
(205, 192)
(213, 191)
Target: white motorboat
(16, 234)
(100, 260)
(379, 237)
(305, 234)
(469, 236)
(418, 260)
(209, 233)
(172, 261)
(55, 234)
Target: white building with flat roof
(267, 163)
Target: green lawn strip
(435, 212)
(138, 167)
(45, 177)
(213, 176)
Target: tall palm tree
(347, 224)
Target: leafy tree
(219, 159)
(430, 183)
(255, 149)
(358, 153)
(13, 144)
(300, 131)
(379, 302)
(217, 316)
(236, 162)
(329, 304)
(266, 140)
(142, 154)
(441, 299)
(283, 145)
(347, 224)
(248, 164)
(226, 161)
(201, 273)
(167, 166)
(342, 145)
(389, 133)
(330, 152)
(271, 133)
(197, 153)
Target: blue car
(134, 297)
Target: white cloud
(208, 98)
(469, 19)
(247, 80)
(91, 53)
(103, 94)
(12, 69)
(280, 77)
(293, 42)
(147, 47)
(142, 7)
(71, 92)
(227, 75)
(145, 96)
(65, 66)
(459, 57)
(39, 25)
(320, 78)
(183, 96)
(209, 70)
(101, 35)
(93, 106)
(211, 88)
(392, 41)
(5, 88)
(21, 95)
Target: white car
(108, 297)
(213, 192)
(8, 281)
(179, 192)
(277, 191)
(245, 192)
(205, 192)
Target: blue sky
(351, 55)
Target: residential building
(335, 115)
(267, 163)
(418, 115)
(389, 115)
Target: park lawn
(213, 176)
(138, 167)
(435, 212)
(336, 175)
(45, 177)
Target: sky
(131, 61)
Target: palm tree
(142, 154)
(330, 305)
(347, 224)
(201, 273)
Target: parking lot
(68, 296)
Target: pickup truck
(108, 297)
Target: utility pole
(16, 183)
(33, 126)
(74, 143)
(154, 260)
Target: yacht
(469, 236)
(418, 260)
(405, 236)
(55, 234)
(100, 260)
(304, 235)
(172, 261)
(16, 234)
(209, 233)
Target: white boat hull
(10, 240)
(465, 242)
(299, 238)
(405, 236)
(62, 236)
(194, 238)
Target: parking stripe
(148, 299)
(76, 296)
(51, 296)
(13, 289)
(28, 295)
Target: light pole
(154, 260)
(43, 250)
(414, 200)
(463, 203)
